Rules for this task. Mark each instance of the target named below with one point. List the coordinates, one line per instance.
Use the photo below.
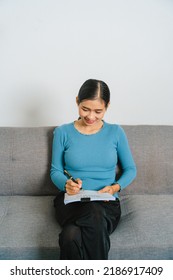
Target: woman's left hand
(110, 189)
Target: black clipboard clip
(85, 199)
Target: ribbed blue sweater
(91, 157)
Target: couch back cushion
(25, 158)
(152, 148)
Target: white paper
(85, 195)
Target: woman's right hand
(73, 188)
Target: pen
(70, 177)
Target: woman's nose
(91, 115)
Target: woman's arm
(127, 163)
(125, 158)
(57, 164)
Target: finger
(77, 186)
(106, 189)
(103, 190)
(72, 184)
(73, 191)
(72, 188)
(79, 182)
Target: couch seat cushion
(28, 229)
(145, 230)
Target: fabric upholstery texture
(28, 229)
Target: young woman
(89, 149)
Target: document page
(85, 195)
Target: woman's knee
(97, 217)
(70, 233)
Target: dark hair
(93, 89)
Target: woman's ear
(77, 100)
(108, 105)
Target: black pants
(86, 227)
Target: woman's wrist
(116, 188)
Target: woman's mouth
(89, 121)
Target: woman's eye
(86, 110)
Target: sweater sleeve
(57, 164)
(125, 158)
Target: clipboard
(87, 196)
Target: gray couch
(28, 229)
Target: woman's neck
(88, 129)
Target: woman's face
(91, 111)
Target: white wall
(48, 48)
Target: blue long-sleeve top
(93, 157)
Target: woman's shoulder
(114, 127)
(116, 131)
(64, 128)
